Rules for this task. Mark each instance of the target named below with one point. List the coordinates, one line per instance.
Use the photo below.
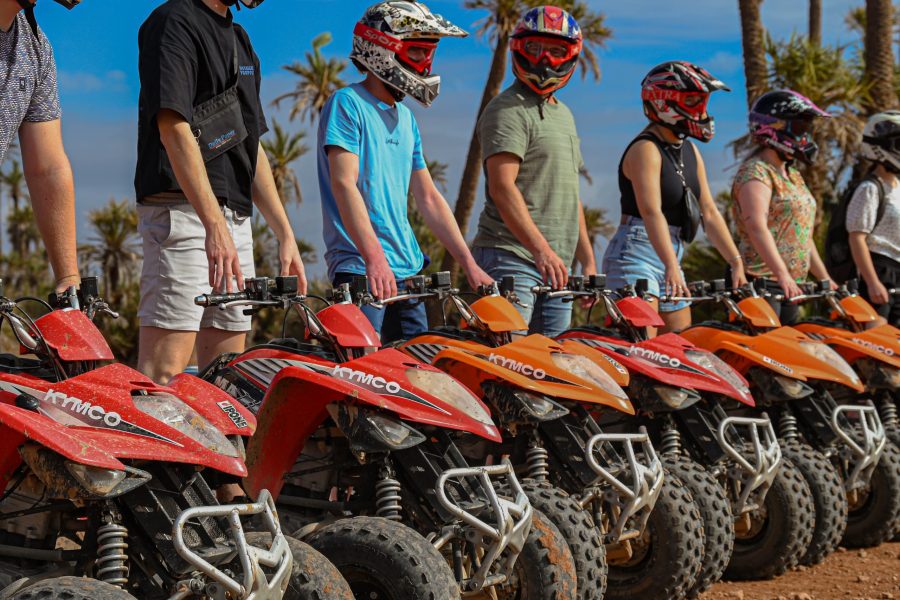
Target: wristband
(735, 259)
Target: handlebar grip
(216, 299)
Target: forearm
(862, 257)
(514, 212)
(53, 200)
(440, 220)
(762, 241)
(190, 171)
(720, 237)
(658, 232)
(816, 265)
(584, 251)
(265, 198)
(355, 219)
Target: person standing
(774, 209)
(532, 226)
(370, 156)
(29, 110)
(665, 192)
(200, 170)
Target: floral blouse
(792, 214)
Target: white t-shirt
(862, 214)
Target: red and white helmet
(383, 38)
(542, 70)
(676, 94)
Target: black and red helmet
(783, 120)
(676, 94)
(541, 69)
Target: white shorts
(176, 268)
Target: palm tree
(112, 246)
(879, 55)
(597, 224)
(282, 151)
(753, 40)
(815, 21)
(498, 25)
(320, 77)
(14, 179)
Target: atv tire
(312, 577)
(386, 560)
(782, 530)
(72, 588)
(828, 496)
(715, 510)
(667, 557)
(545, 570)
(877, 518)
(577, 527)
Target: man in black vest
(200, 170)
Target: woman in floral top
(774, 209)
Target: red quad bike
(106, 478)
(689, 401)
(359, 445)
(605, 490)
(814, 396)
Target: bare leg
(213, 342)
(677, 320)
(163, 353)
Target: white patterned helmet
(383, 38)
(881, 139)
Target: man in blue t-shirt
(370, 154)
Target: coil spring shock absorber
(387, 497)
(112, 560)
(537, 461)
(787, 426)
(888, 411)
(670, 440)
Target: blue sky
(96, 50)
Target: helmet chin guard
(246, 3)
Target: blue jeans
(549, 317)
(397, 321)
(630, 256)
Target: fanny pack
(692, 218)
(218, 123)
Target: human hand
(790, 287)
(878, 294)
(224, 263)
(292, 264)
(382, 283)
(738, 276)
(552, 268)
(476, 276)
(675, 283)
(64, 283)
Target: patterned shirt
(792, 214)
(862, 215)
(27, 81)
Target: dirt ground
(872, 574)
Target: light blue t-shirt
(386, 139)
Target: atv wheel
(384, 560)
(828, 496)
(313, 577)
(577, 527)
(72, 588)
(545, 570)
(875, 515)
(779, 532)
(715, 510)
(665, 560)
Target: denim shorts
(630, 256)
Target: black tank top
(670, 184)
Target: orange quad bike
(605, 488)
(872, 351)
(823, 419)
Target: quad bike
(687, 398)
(606, 491)
(813, 395)
(360, 447)
(107, 477)
(873, 352)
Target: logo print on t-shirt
(392, 142)
(23, 84)
(247, 70)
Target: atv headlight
(719, 367)
(675, 398)
(95, 480)
(539, 406)
(370, 431)
(827, 354)
(442, 386)
(793, 388)
(179, 416)
(586, 369)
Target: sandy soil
(872, 574)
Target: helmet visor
(539, 48)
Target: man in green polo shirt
(532, 226)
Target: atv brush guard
(863, 445)
(509, 528)
(753, 470)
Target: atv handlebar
(258, 291)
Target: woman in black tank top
(665, 194)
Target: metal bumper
(753, 466)
(630, 488)
(863, 443)
(505, 530)
(256, 584)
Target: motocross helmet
(247, 3)
(70, 4)
(782, 120)
(382, 41)
(675, 95)
(881, 139)
(544, 69)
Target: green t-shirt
(543, 136)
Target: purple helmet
(783, 120)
